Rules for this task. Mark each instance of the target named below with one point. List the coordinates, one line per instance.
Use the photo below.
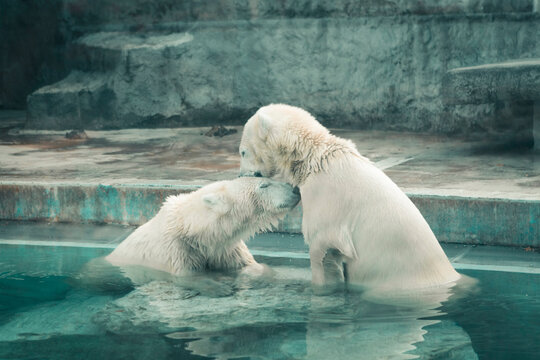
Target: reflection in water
(282, 318)
(46, 309)
(391, 327)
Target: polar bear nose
(250, 174)
(296, 190)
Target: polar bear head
(230, 210)
(280, 139)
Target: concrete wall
(453, 219)
(361, 64)
(87, 15)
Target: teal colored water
(58, 302)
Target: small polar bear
(352, 212)
(205, 229)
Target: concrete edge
(466, 220)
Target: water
(58, 303)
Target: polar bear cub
(205, 229)
(352, 212)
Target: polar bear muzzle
(278, 195)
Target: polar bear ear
(215, 202)
(265, 124)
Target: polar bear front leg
(257, 270)
(333, 267)
(251, 267)
(205, 285)
(326, 270)
(316, 259)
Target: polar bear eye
(243, 153)
(264, 185)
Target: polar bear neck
(221, 235)
(316, 157)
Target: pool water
(58, 302)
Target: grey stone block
(136, 80)
(73, 103)
(517, 80)
(514, 87)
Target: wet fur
(352, 210)
(187, 236)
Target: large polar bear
(353, 213)
(205, 229)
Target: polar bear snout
(250, 174)
(291, 201)
(295, 196)
(285, 195)
(277, 195)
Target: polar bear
(205, 229)
(353, 214)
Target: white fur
(353, 212)
(204, 230)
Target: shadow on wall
(32, 49)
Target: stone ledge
(514, 88)
(468, 220)
(517, 80)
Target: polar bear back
(149, 246)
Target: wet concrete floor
(418, 163)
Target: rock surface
(513, 87)
(517, 80)
(375, 65)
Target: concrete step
(72, 103)
(515, 80)
(106, 51)
(514, 87)
(466, 220)
(126, 80)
